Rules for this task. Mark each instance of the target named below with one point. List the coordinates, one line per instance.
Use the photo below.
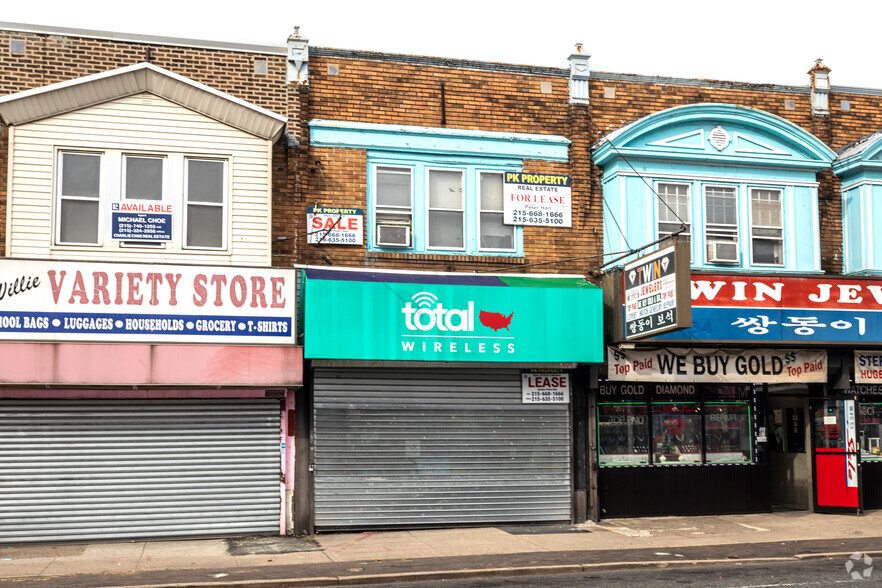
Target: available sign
(334, 226)
(537, 199)
(710, 365)
(74, 301)
(540, 386)
(451, 317)
(734, 308)
(141, 221)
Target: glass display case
(727, 427)
(676, 432)
(622, 434)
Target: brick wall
(378, 88)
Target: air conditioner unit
(722, 252)
(393, 235)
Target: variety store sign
(783, 310)
(710, 365)
(67, 301)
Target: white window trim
(124, 197)
(225, 203)
(736, 230)
(780, 191)
(59, 197)
(501, 212)
(658, 206)
(384, 209)
(462, 210)
(112, 189)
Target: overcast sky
(765, 41)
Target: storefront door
(836, 455)
(790, 469)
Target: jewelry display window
(622, 433)
(871, 431)
(727, 427)
(676, 433)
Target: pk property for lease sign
(537, 199)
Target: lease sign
(537, 199)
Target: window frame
(224, 204)
(124, 197)
(430, 209)
(750, 192)
(419, 164)
(392, 210)
(481, 211)
(112, 189)
(659, 206)
(59, 198)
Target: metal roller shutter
(95, 469)
(432, 447)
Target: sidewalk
(364, 558)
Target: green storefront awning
(363, 315)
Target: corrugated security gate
(427, 447)
(97, 469)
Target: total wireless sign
(125, 302)
(446, 322)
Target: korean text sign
(778, 309)
(67, 301)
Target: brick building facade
(365, 129)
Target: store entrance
(790, 468)
(835, 450)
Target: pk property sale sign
(537, 199)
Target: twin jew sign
(707, 365)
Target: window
(79, 198)
(205, 203)
(663, 425)
(871, 431)
(674, 209)
(766, 226)
(191, 191)
(440, 205)
(493, 234)
(143, 179)
(394, 216)
(721, 224)
(446, 212)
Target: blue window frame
(439, 205)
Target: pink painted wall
(144, 365)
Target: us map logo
(444, 329)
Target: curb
(478, 573)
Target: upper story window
(767, 226)
(194, 189)
(426, 207)
(439, 191)
(741, 183)
(674, 209)
(79, 198)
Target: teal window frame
(419, 165)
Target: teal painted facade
(860, 172)
(714, 145)
(420, 149)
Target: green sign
(407, 317)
